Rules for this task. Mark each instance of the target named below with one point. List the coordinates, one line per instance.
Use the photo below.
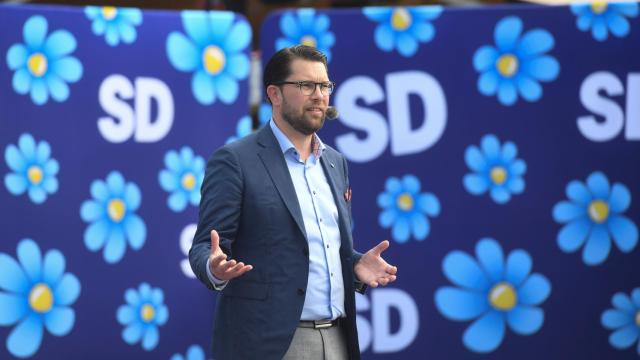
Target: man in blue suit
(274, 231)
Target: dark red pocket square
(347, 195)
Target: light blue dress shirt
(324, 297)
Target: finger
(226, 266)
(373, 284)
(215, 241)
(384, 244)
(239, 269)
(383, 281)
(392, 270)
(217, 260)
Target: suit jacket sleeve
(220, 208)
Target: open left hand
(373, 270)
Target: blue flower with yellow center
(194, 352)
(114, 23)
(36, 293)
(593, 215)
(34, 171)
(213, 52)
(243, 128)
(494, 292)
(141, 316)
(402, 28)
(182, 178)
(495, 169)
(405, 209)
(603, 17)
(112, 217)
(43, 65)
(305, 27)
(624, 318)
(517, 64)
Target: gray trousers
(318, 344)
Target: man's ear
(274, 94)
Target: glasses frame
(299, 84)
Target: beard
(302, 122)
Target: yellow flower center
(507, 65)
(400, 19)
(147, 313)
(41, 298)
(188, 181)
(35, 174)
(405, 202)
(598, 211)
(638, 318)
(213, 59)
(498, 175)
(109, 12)
(503, 296)
(309, 41)
(599, 6)
(37, 64)
(116, 210)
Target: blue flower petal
(151, 337)
(618, 25)
(529, 89)
(622, 302)
(14, 158)
(490, 146)
(59, 321)
(238, 38)
(127, 33)
(516, 185)
(620, 198)
(132, 196)
(579, 193)
(486, 333)
(112, 37)
(543, 68)
(68, 68)
(31, 259)
(67, 290)
(181, 52)
(282, 43)
(21, 81)
(613, 319)
(125, 315)
(400, 231)
(500, 195)
(35, 32)
(53, 266)
(136, 231)
(635, 295)
(393, 185)
(485, 58)
(227, 88)
(387, 217)
(490, 257)
(377, 13)
(306, 18)
(14, 307)
(460, 305)
(518, 267)
(59, 43)
(132, 333)
(535, 42)
(203, 88)
(59, 89)
(51, 167)
(573, 235)
(194, 197)
(584, 22)
(463, 270)
(507, 32)
(27, 146)
(534, 290)
(115, 183)
(624, 337)
(509, 151)
(429, 204)
(384, 37)
(17, 56)
(598, 246)
(116, 246)
(624, 233)
(220, 22)
(177, 201)
(420, 226)
(168, 180)
(37, 194)
(195, 353)
(474, 159)
(565, 211)
(96, 235)
(525, 320)
(198, 26)
(132, 297)
(423, 32)
(411, 184)
(289, 25)
(12, 278)
(16, 184)
(518, 167)
(99, 190)
(507, 94)
(91, 211)
(599, 185)
(407, 45)
(238, 66)
(162, 315)
(630, 9)
(25, 339)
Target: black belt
(318, 324)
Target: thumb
(215, 241)
(384, 244)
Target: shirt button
(331, 274)
(320, 219)
(327, 246)
(314, 193)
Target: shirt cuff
(217, 283)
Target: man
(274, 233)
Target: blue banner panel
(107, 117)
(497, 149)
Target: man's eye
(308, 85)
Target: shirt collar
(285, 144)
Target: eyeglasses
(309, 87)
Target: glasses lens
(307, 87)
(326, 88)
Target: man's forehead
(307, 67)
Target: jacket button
(301, 291)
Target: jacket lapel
(334, 177)
(273, 160)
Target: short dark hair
(279, 66)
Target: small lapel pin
(332, 165)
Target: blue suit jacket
(249, 198)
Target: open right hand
(218, 264)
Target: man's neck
(300, 141)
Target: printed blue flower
(213, 52)
(114, 23)
(35, 294)
(182, 178)
(306, 27)
(112, 217)
(603, 17)
(142, 315)
(494, 291)
(593, 215)
(495, 169)
(624, 319)
(43, 65)
(194, 352)
(402, 28)
(243, 128)
(406, 210)
(516, 64)
(34, 171)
